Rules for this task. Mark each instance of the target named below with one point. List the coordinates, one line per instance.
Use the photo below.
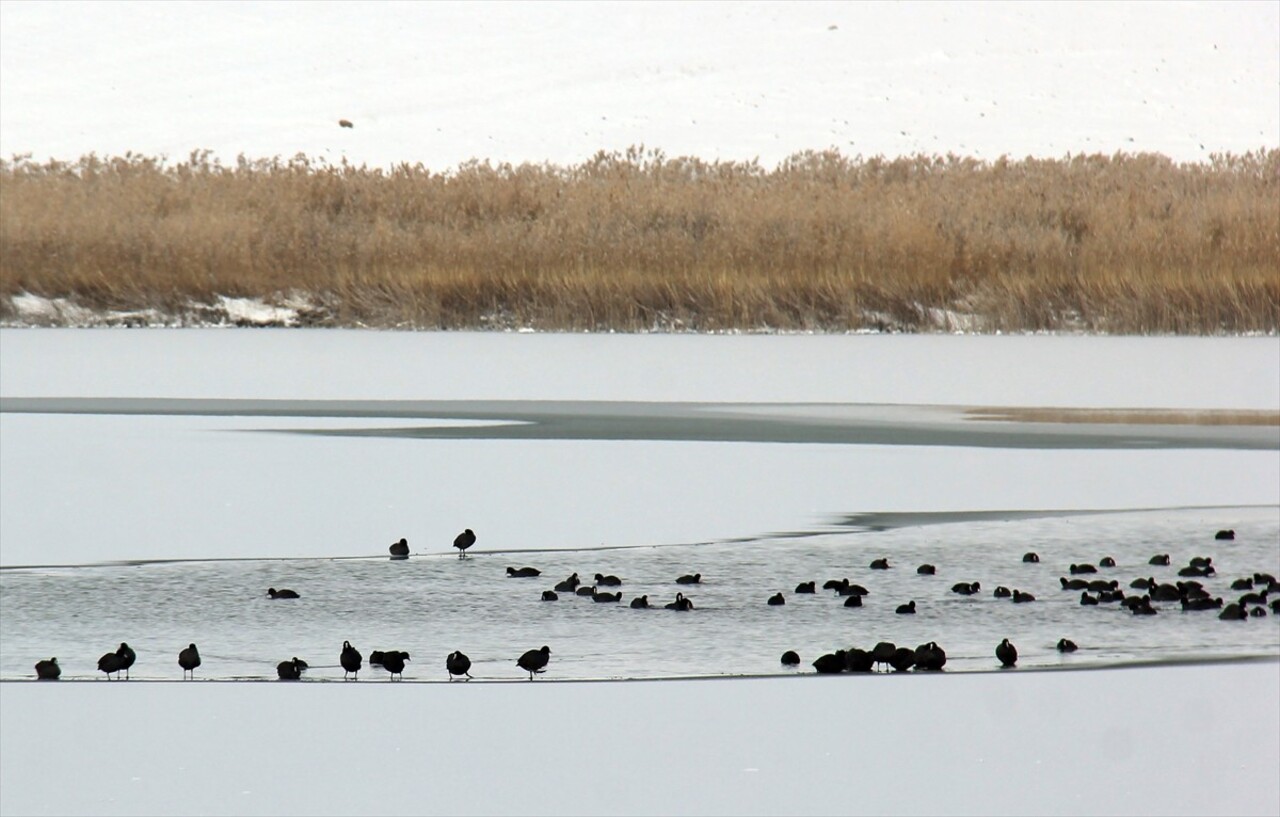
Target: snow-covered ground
(441, 83)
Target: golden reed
(637, 241)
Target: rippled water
(431, 605)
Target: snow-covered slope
(440, 83)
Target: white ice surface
(1164, 740)
(441, 83)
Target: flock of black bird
(1190, 594)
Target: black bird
(523, 572)
(695, 578)
(1108, 596)
(880, 564)
(776, 600)
(856, 660)
(1073, 584)
(351, 659)
(1258, 612)
(1002, 592)
(1087, 600)
(1066, 645)
(569, 585)
(345, 123)
(806, 587)
(1159, 559)
(639, 602)
(1165, 592)
(400, 550)
(1235, 611)
(1142, 584)
(790, 659)
(375, 658)
(48, 670)
(1225, 534)
(926, 570)
(458, 664)
(835, 584)
(549, 595)
(681, 603)
(1031, 557)
(907, 609)
(1075, 569)
(282, 594)
(831, 663)
(585, 590)
(853, 601)
(1242, 584)
(883, 651)
(1202, 604)
(903, 659)
(966, 588)
(290, 670)
(1143, 607)
(393, 662)
(463, 541)
(1106, 561)
(189, 659)
(930, 656)
(1007, 653)
(1099, 585)
(605, 597)
(848, 589)
(127, 657)
(1275, 605)
(534, 661)
(1021, 598)
(1201, 561)
(110, 663)
(608, 581)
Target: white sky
(440, 83)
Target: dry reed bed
(636, 240)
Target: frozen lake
(154, 484)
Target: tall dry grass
(636, 240)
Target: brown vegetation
(637, 241)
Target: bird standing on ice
(463, 541)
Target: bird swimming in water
(880, 564)
(831, 663)
(1066, 645)
(1002, 592)
(351, 659)
(523, 572)
(534, 660)
(1159, 559)
(907, 609)
(1021, 598)
(966, 588)
(606, 597)
(926, 570)
(776, 600)
(790, 658)
(48, 670)
(1031, 557)
(569, 585)
(463, 541)
(1225, 535)
(639, 602)
(549, 595)
(457, 663)
(282, 594)
(608, 581)
(189, 659)
(805, 587)
(1106, 561)
(853, 601)
(695, 578)
(681, 603)
(400, 550)
(1007, 653)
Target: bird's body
(127, 657)
(926, 570)
(907, 609)
(681, 603)
(831, 663)
(351, 659)
(790, 658)
(776, 600)
(640, 602)
(930, 656)
(393, 662)
(400, 550)
(1066, 645)
(290, 670)
(608, 581)
(569, 585)
(1007, 653)
(853, 601)
(189, 659)
(534, 661)
(805, 587)
(110, 663)
(1020, 597)
(463, 541)
(606, 597)
(550, 595)
(1031, 557)
(690, 578)
(457, 663)
(880, 564)
(284, 593)
(523, 572)
(345, 123)
(1225, 535)
(48, 670)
